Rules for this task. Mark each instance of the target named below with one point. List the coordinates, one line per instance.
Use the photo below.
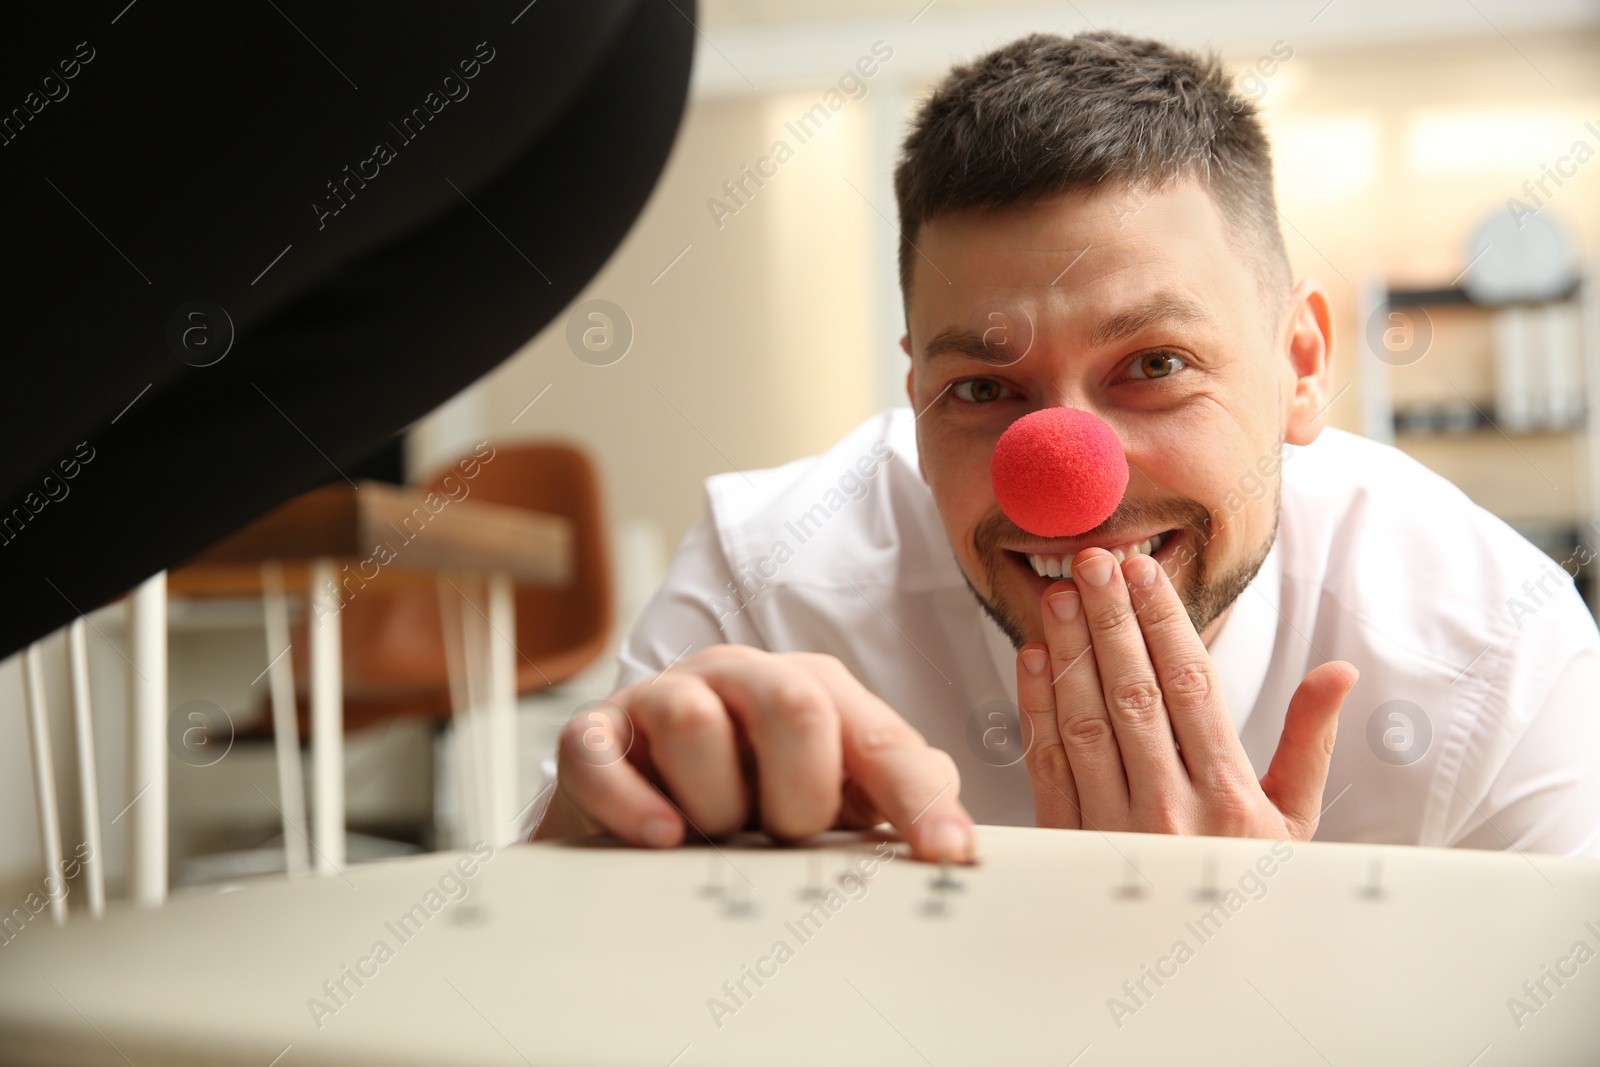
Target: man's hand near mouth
(1129, 728)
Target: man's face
(1137, 308)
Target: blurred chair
(396, 659)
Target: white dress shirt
(1378, 561)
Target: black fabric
(190, 147)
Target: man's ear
(911, 395)
(1308, 343)
(911, 378)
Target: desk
(1058, 949)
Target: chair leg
(327, 718)
(503, 707)
(451, 619)
(44, 780)
(285, 727)
(147, 741)
(94, 870)
(475, 658)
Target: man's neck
(1209, 634)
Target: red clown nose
(1059, 472)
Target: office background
(762, 331)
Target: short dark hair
(1048, 114)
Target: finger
(914, 785)
(1128, 682)
(608, 789)
(694, 748)
(793, 727)
(1083, 722)
(858, 812)
(1208, 743)
(1055, 795)
(1294, 780)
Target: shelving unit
(1433, 395)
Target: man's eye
(979, 390)
(1155, 365)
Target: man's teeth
(1061, 566)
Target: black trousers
(247, 244)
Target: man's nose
(1059, 472)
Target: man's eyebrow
(953, 344)
(1162, 307)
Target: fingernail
(951, 840)
(1065, 604)
(658, 832)
(1096, 570)
(1034, 658)
(1141, 570)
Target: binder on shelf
(1514, 390)
(1561, 347)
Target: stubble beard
(1205, 596)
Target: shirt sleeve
(1545, 798)
(698, 605)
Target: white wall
(754, 348)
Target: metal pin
(1130, 889)
(713, 886)
(1208, 881)
(851, 869)
(1373, 890)
(739, 902)
(942, 885)
(468, 913)
(813, 888)
(944, 882)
